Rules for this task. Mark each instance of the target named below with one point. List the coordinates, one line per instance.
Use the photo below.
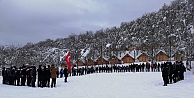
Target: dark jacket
(66, 72)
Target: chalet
(143, 57)
(161, 56)
(63, 65)
(115, 60)
(127, 57)
(90, 62)
(80, 63)
(101, 61)
(179, 56)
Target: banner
(67, 58)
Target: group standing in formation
(144, 67)
(173, 72)
(27, 75)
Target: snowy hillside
(170, 29)
(107, 85)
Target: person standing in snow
(23, 76)
(4, 75)
(57, 72)
(48, 76)
(33, 75)
(66, 73)
(12, 75)
(175, 72)
(170, 71)
(44, 77)
(147, 67)
(182, 70)
(165, 74)
(61, 73)
(158, 67)
(29, 78)
(53, 72)
(18, 71)
(39, 70)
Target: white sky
(23, 21)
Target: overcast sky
(23, 21)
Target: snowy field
(107, 85)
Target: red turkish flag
(67, 58)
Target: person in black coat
(18, 76)
(39, 70)
(44, 78)
(12, 79)
(170, 71)
(182, 70)
(165, 74)
(4, 75)
(14, 74)
(175, 72)
(28, 74)
(57, 72)
(61, 73)
(33, 75)
(66, 73)
(158, 67)
(23, 76)
(48, 76)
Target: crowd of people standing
(28, 75)
(172, 72)
(143, 67)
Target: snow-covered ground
(107, 85)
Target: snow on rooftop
(162, 51)
(130, 53)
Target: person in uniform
(165, 74)
(33, 75)
(4, 75)
(66, 73)
(39, 70)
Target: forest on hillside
(171, 29)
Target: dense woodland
(170, 29)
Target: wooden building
(161, 56)
(179, 57)
(90, 62)
(115, 60)
(127, 59)
(80, 63)
(101, 61)
(143, 57)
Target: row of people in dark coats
(27, 76)
(173, 72)
(19, 76)
(144, 67)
